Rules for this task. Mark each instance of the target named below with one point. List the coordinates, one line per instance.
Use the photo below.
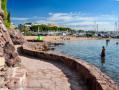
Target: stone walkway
(44, 75)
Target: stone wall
(9, 74)
(92, 76)
(7, 49)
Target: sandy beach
(60, 38)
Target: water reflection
(107, 42)
(103, 60)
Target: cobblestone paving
(44, 75)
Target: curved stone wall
(92, 76)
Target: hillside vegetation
(7, 20)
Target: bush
(7, 20)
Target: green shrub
(7, 20)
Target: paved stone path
(44, 75)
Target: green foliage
(81, 31)
(90, 33)
(24, 29)
(7, 20)
(43, 27)
(4, 6)
(27, 33)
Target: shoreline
(61, 38)
(96, 78)
(57, 39)
(52, 40)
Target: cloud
(79, 21)
(67, 17)
(117, 0)
(74, 20)
(60, 17)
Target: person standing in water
(107, 42)
(103, 55)
(103, 52)
(117, 43)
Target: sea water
(90, 50)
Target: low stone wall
(92, 76)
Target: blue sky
(78, 14)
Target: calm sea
(89, 50)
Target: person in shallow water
(103, 55)
(103, 52)
(117, 43)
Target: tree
(20, 27)
(44, 27)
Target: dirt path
(44, 75)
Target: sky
(76, 14)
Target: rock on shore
(16, 37)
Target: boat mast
(96, 27)
(115, 29)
